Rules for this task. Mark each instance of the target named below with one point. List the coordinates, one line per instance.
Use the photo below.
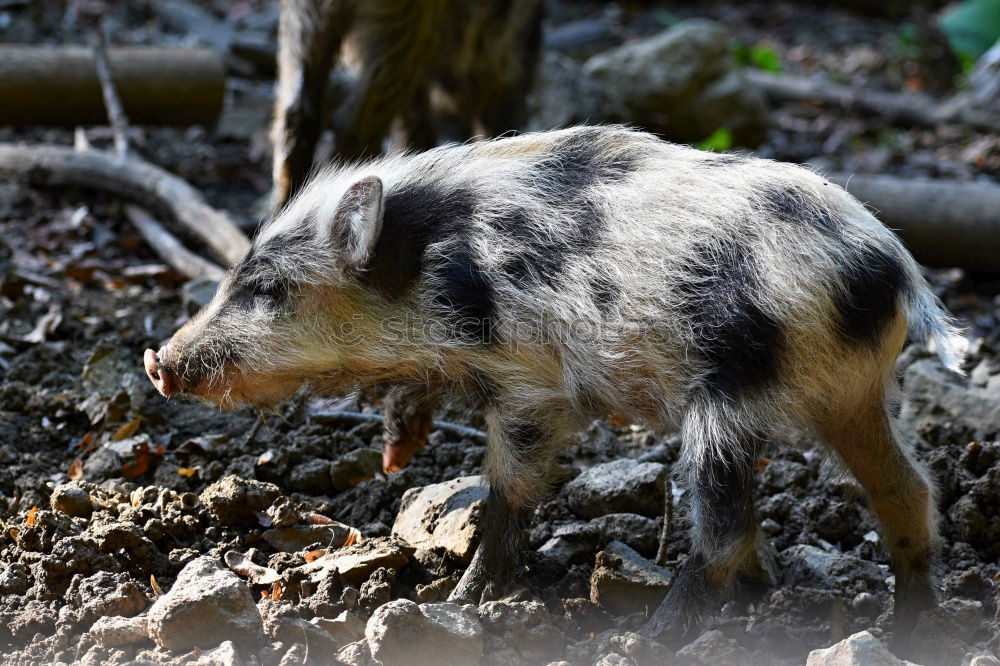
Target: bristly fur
(594, 271)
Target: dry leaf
(15, 533)
(87, 442)
(276, 592)
(314, 555)
(127, 430)
(187, 472)
(157, 592)
(31, 516)
(143, 458)
(762, 464)
(75, 471)
(239, 563)
(46, 324)
(319, 519)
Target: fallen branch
(908, 109)
(943, 223)
(362, 417)
(112, 102)
(130, 178)
(59, 85)
(169, 249)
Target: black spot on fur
(415, 216)
(463, 290)
(740, 342)
(257, 275)
(791, 206)
(724, 493)
(868, 302)
(605, 293)
(564, 179)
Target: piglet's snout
(165, 381)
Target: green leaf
(760, 57)
(972, 27)
(718, 141)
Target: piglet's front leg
(519, 454)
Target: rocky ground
(137, 529)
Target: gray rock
(345, 628)
(115, 631)
(811, 566)
(561, 79)
(711, 648)
(311, 477)
(299, 537)
(444, 516)
(929, 389)
(206, 604)
(860, 649)
(683, 82)
(574, 542)
(401, 632)
(624, 582)
(520, 632)
(196, 294)
(236, 501)
(72, 500)
(355, 654)
(354, 467)
(621, 486)
(356, 563)
(984, 81)
(224, 655)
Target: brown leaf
(319, 519)
(157, 591)
(187, 472)
(31, 516)
(314, 555)
(143, 458)
(75, 471)
(127, 430)
(87, 442)
(762, 464)
(276, 592)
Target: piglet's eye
(270, 290)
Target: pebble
(625, 582)
(444, 516)
(620, 486)
(401, 632)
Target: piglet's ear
(358, 220)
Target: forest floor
(81, 297)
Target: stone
(684, 83)
(236, 501)
(620, 486)
(345, 628)
(299, 537)
(116, 631)
(561, 78)
(206, 604)
(355, 654)
(814, 567)
(520, 632)
(224, 655)
(624, 582)
(401, 632)
(72, 500)
(444, 516)
(860, 649)
(356, 563)
(311, 477)
(711, 648)
(573, 543)
(196, 294)
(929, 389)
(354, 467)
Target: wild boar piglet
(556, 277)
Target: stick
(133, 179)
(170, 249)
(113, 104)
(668, 525)
(361, 417)
(907, 109)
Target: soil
(81, 297)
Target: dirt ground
(81, 297)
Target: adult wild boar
(560, 276)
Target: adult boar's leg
(309, 34)
(409, 413)
(518, 461)
(900, 495)
(719, 466)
